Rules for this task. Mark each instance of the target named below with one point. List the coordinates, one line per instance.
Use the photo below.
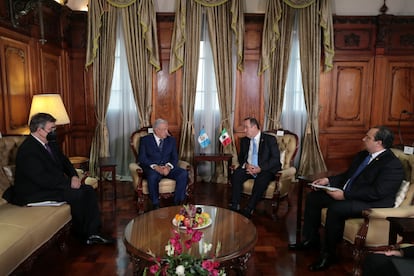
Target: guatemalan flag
(203, 139)
(225, 137)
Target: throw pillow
(402, 192)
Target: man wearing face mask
(44, 173)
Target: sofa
(25, 231)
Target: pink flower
(154, 268)
(187, 244)
(208, 265)
(197, 236)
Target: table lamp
(52, 104)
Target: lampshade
(52, 104)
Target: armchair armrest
(137, 175)
(383, 213)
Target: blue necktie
(161, 144)
(254, 153)
(357, 172)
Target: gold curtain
(191, 54)
(140, 34)
(103, 66)
(185, 53)
(310, 56)
(142, 54)
(180, 36)
(221, 41)
(277, 32)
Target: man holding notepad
(371, 181)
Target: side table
(213, 157)
(107, 164)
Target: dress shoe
(98, 239)
(235, 207)
(304, 245)
(247, 212)
(324, 262)
(155, 206)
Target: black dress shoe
(235, 207)
(247, 212)
(98, 239)
(304, 245)
(324, 262)
(155, 206)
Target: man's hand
(163, 170)
(75, 182)
(321, 181)
(253, 170)
(337, 195)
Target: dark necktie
(357, 172)
(161, 144)
(49, 149)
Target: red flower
(154, 268)
(197, 235)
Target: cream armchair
(166, 186)
(371, 232)
(278, 189)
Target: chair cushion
(248, 187)
(165, 186)
(9, 171)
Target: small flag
(225, 137)
(203, 139)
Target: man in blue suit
(158, 158)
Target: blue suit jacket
(149, 153)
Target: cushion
(9, 171)
(401, 194)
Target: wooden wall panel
(16, 88)
(249, 98)
(51, 71)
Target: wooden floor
(271, 256)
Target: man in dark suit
(158, 158)
(44, 173)
(259, 159)
(372, 185)
(392, 262)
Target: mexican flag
(225, 137)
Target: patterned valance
(211, 3)
(121, 3)
(298, 4)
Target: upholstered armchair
(278, 189)
(371, 233)
(166, 186)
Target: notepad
(326, 188)
(46, 203)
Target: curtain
(310, 55)
(103, 65)
(294, 114)
(206, 112)
(121, 117)
(221, 45)
(277, 32)
(141, 48)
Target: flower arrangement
(178, 259)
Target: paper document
(322, 187)
(46, 203)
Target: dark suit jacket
(149, 153)
(268, 155)
(377, 184)
(39, 177)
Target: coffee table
(152, 230)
